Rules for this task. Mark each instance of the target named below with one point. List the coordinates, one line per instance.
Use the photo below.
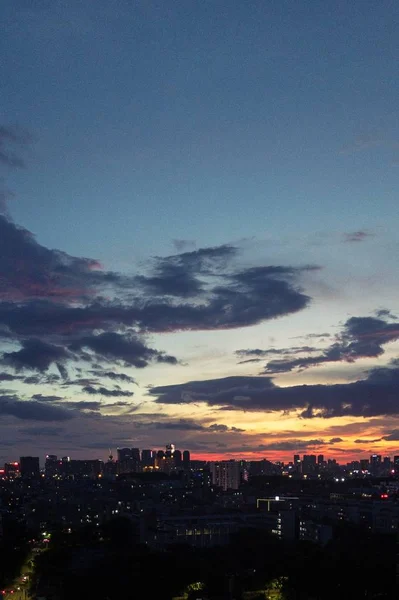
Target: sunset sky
(198, 227)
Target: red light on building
(384, 496)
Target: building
(12, 470)
(178, 459)
(147, 458)
(52, 466)
(128, 460)
(30, 467)
(309, 464)
(186, 459)
(123, 454)
(226, 474)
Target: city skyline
(198, 228)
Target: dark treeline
(108, 563)
(14, 549)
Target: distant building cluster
(171, 499)
(226, 474)
(129, 460)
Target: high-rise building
(135, 454)
(170, 449)
(123, 454)
(30, 466)
(387, 462)
(51, 465)
(12, 470)
(147, 458)
(186, 459)
(309, 464)
(128, 460)
(226, 474)
(364, 464)
(320, 459)
(177, 458)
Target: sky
(198, 227)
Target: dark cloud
(292, 445)
(220, 428)
(311, 336)
(42, 431)
(361, 337)
(250, 360)
(375, 395)
(258, 352)
(182, 245)
(178, 275)
(127, 348)
(33, 410)
(187, 425)
(8, 377)
(35, 354)
(11, 136)
(102, 391)
(356, 236)
(385, 313)
(392, 436)
(335, 440)
(31, 271)
(360, 441)
(84, 405)
(272, 351)
(114, 376)
(47, 398)
(58, 293)
(59, 308)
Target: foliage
(110, 563)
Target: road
(18, 590)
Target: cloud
(178, 275)
(181, 245)
(47, 398)
(102, 391)
(361, 337)
(114, 376)
(272, 351)
(385, 313)
(12, 136)
(292, 445)
(127, 348)
(33, 410)
(8, 377)
(357, 236)
(35, 354)
(393, 436)
(375, 395)
(60, 308)
(187, 425)
(335, 440)
(42, 431)
(84, 405)
(310, 336)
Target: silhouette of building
(29, 466)
(226, 474)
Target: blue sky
(160, 128)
